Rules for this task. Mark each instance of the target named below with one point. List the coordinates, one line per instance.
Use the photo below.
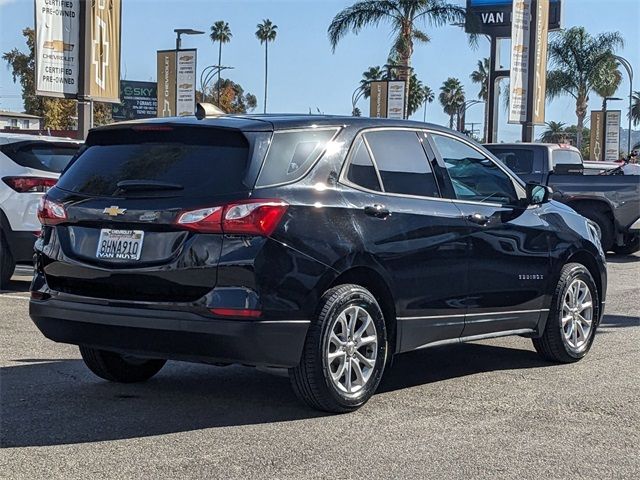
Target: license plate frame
(116, 244)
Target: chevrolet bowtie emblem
(114, 211)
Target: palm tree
(221, 33)
(554, 134)
(578, 60)
(451, 98)
(416, 95)
(266, 33)
(635, 109)
(481, 76)
(403, 16)
(373, 74)
(429, 96)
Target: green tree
(221, 33)
(481, 77)
(266, 33)
(416, 95)
(578, 63)
(635, 108)
(233, 98)
(429, 97)
(451, 98)
(404, 17)
(373, 74)
(554, 133)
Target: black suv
(324, 245)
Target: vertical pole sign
(540, 62)
(520, 51)
(57, 48)
(176, 82)
(378, 100)
(78, 52)
(396, 99)
(612, 137)
(595, 144)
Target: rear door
(123, 195)
(415, 234)
(508, 242)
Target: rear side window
(292, 154)
(402, 163)
(50, 157)
(361, 170)
(518, 160)
(214, 163)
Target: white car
(29, 166)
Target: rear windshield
(50, 157)
(201, 165)
(566, 157)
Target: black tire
(551, 345)
(7, 264)
(631, 247)
(117, 368)
(311, 378)
(605, 223)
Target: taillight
(254, 217)
(29, 184)
(51, 213)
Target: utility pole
(85, 104)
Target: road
(489, 409)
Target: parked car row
(29, 167)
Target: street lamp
(357, 95)
(604, 125)
(463, 108)
(207, 74)
(184, 31)
(625, 63)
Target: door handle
(478, 219)
(377, 211)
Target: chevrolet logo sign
(114, 211)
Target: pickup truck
(610, 197)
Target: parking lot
(489, 409)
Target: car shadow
(623, 258)
(619, 321)
(52, 402)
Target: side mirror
(538, 194)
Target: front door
(507, 241)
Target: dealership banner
(138, 100)
(378, 100)
(57, 49)
(186, 82)
(395, 99)
(595, 144)
(104, 44)
(520, 51)
(540, 62)
(612, 137)
(166, 83)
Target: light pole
(207, 74)
(463, 108)
(356, 96)
(604, 126)
(184, 31)
(625, 63)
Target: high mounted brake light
(253, 217)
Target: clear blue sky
(304, 73)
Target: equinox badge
(114, 211)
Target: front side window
(292, 154)
(402, 163)
(474, 176)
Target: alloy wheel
(577, 316)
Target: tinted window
(518, 160)
(474, 176)
(361, 170)
(292, 154)
(201, 169)
(566, 157)
(402, 163)
(50, 157)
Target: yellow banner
(104, 44)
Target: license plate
(120, 244)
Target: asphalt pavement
(490, 409)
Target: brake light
(254, 217)
(51, 213)
(29, 184)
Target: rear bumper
(170, 334)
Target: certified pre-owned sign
(57, 47)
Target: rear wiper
(145, 185)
